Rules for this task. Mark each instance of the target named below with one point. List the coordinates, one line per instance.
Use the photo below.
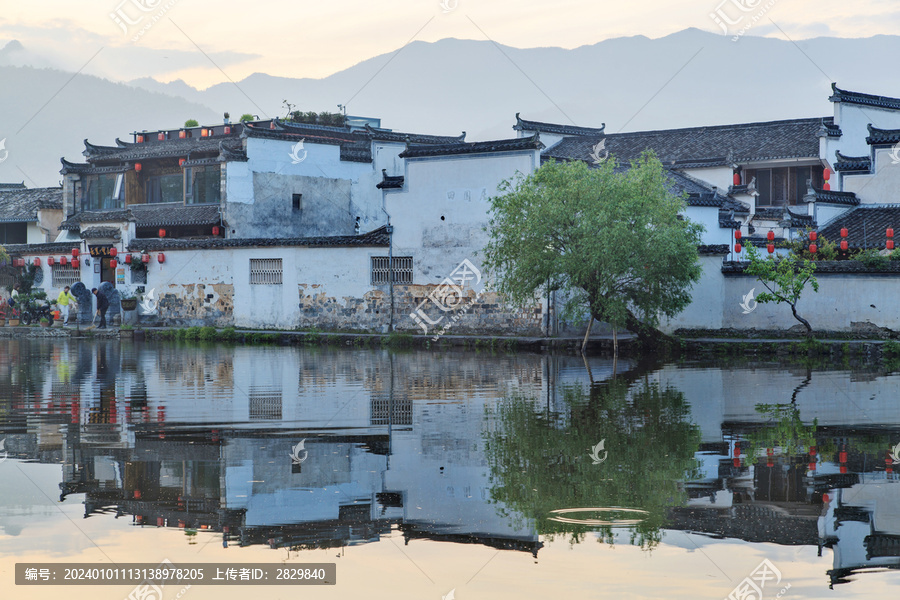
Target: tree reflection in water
(540, 461)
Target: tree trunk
(587, 334)
(809, 331)
(647, 335)
(615, 344)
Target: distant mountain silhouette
(688, 78)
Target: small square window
(295, 199)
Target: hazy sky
(206, 42)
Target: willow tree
(610, 238)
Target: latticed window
(265, 404)
(381, 268)
(64, 275)
(265, 271)
(139, 276)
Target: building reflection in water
(202, 438)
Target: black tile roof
(378, 237)
(713, 249)
(385, 135)
(527, 143)
(831, 130)
(697, 147)
(882, 137)
(22, 205)
(150, 215)
(171, 148)
(318, 134)
(776, 213)
(12, 186)
(390, 182)
(852, 163)
(840, 95)
(866, 225)
(830, 197)
(698, 192)
(96, 233)
(49, 248)
(523, 125)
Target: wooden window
(381, 268)
(265, 271)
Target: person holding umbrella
(102, 307)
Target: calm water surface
(429, 475)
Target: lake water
(449, 475)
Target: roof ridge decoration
(122, 144)
(96, 149)
(228, 153)
(558, 128)
(849, 97)
(852, 163)
(415, 138)
(509, 145)
(882, 137)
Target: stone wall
(199, 304)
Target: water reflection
(458, 447)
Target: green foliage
(872, 259)
(894, 255)
(799, 247)
(227, 335)
(613, 241)
(246, 117)
(785, 430)
(537, 464)
(126, 327)
(312, 118)
(397, 340)
(891, 348)
(191, 123)
(785, 279)
(208, 334)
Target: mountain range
(689, 78)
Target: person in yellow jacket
(65, 297)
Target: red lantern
(889, 232)
(813, 248)
(737, 234)
(826, 498)
(737, 248)
(812, 450)
(844, 245)
(182, 134)
(162, 233)
(737, 178)
(844, 232)
(180, 162)
(737, 449)
(113, 264)
(842, 457)
(145, 258)
(75, 252)
(890, 244)
(813, 236)
(826, 186)
(227, 130)
(76, 263)
(272, 125)
(160, 136)
(204, 132)
(160, 522)
(63, 260)
(161, 258)
(37, 262)
(736, 462)
(140, 139)
(138, 167)
(770, 236)
(215, 230)
(826, 174)
(127, 259)
(812, 466)
(50, 261)
(770, 248)
(113, 252)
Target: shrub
(872, 259)
(207, 334)
(228, 334)
(191, 123)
